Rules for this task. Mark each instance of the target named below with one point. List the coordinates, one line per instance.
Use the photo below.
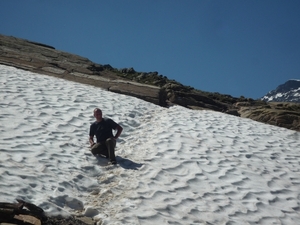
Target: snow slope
(176, 166)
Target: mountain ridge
(287, 92)
(149, 86)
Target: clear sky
(236, 47)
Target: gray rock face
(287, 92)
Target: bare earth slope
(152, 87)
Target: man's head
(98, 114)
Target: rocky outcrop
(149, 86)
(27, 213)
(45, 59)
(174, 93)
(279, 114)
(152, 87)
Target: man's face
(98, 115)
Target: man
(106, 141)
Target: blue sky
(232, 47)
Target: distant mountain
(287, 92)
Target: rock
(130, 70)
(28, 219)
(124, 70)
(233, 112)
(95, 68)
(174, 86)
(279, 114)
(86, 220)
(107, 67)
(240, 104)
(65, 221)
(31, 207)
(141, 77)
(90, 212)
(40, 44)
(127, 70)
(8, 224)
(15, 213)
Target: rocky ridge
(149, 86)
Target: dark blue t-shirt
(103, 129)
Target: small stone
(8, 224)
(90, 212)
(86, 220)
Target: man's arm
(91, 140)
(119, 131)
(91, 135)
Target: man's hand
(91, 140)
(119, 131)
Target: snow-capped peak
(287, 92)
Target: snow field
(176, 166)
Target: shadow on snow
(123, 162)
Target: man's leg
(111, 144)
(99, 148)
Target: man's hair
(97, 109)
